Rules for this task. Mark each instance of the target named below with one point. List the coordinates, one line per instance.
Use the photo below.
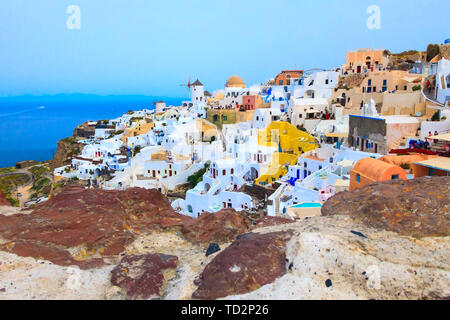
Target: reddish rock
(103, 222)
(271, 221)
(142, 276)
(3, 201)
(417, 207)
(222, 226)
(251, 262)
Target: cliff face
(3, 201)
(132, 245)
(66, 148)
(351, 81)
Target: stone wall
(372, 128)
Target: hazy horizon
(89, 95)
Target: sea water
(30, 127)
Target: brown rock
(351, 81)
(98, 222)
(3, 201)
(248, 264)
(142, 276)
(417, 207)
(271, 221)
(219, 227)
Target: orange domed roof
(375, 169)
(235, 81)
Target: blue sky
(150, 47)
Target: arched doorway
(310, 94)
(254, 174)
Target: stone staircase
(438, 147)
(401, 142)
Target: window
(370, 82)
(358, 178)
(280, 82)
(224, 172)
(395, 176)
(405, 88)
(300, 115)
(364, 89)
(374, 89)
(369, 89)
(384, 82)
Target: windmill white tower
(197, 92)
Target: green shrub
(405, 166)
(198, 176)
(416, 88)
(432, 51)
(7, 170)
(436, 116)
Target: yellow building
(290, 143)
(208, 130)
(277, 168)
(137, 128)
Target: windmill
(188, 85)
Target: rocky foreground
(387, 241)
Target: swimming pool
(308, 205)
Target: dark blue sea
(30, 132)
